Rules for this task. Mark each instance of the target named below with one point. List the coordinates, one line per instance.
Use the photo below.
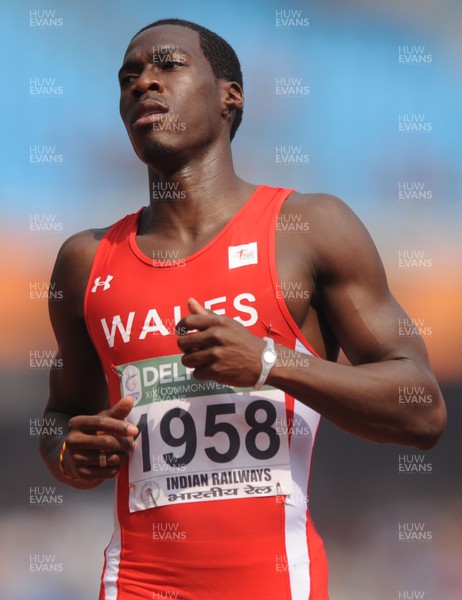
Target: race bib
(199, 440)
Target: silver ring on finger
(102, 459)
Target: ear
(233, 97)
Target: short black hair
(221, 56)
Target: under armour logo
(106, 284)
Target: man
(183, 352)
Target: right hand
(97, 445)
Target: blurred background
(369, 94)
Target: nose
(147, 81)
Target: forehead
(166, 37)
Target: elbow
(430, 428)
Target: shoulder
(73, 266)
(80, 248)
(337, 240)
(319, 205)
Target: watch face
(269, 356)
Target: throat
(178, 240)
(170, 249)
(185, 227)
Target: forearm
(50, 449)
(365, 399)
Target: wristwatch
(268, 360)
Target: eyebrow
(133, 63)
(173, 48)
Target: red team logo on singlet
(245, 254)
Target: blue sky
(347, 124)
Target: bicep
(359, 307)
(78, 386)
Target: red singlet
(212, 504)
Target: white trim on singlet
(112, 556)
(301, 447)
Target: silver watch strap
(266, 367)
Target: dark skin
(346, 303)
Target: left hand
(219, 348)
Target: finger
(115, 443)
(93, 459)
(195, 308)
(80, 442)
(196, 323)
(121, 409)
(200, 358)
(97, 472)
(197, 341)
(102, 423)
(212, 338)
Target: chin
(153, 151)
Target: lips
(145, 113)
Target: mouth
(148, 113)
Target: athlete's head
(181, 86)
(221, 56)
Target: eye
(171, 64)
(126, 79)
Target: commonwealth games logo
(131, 383)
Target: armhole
(275, 277)
(126, 223)
(95, 264)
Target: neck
(197, 197)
